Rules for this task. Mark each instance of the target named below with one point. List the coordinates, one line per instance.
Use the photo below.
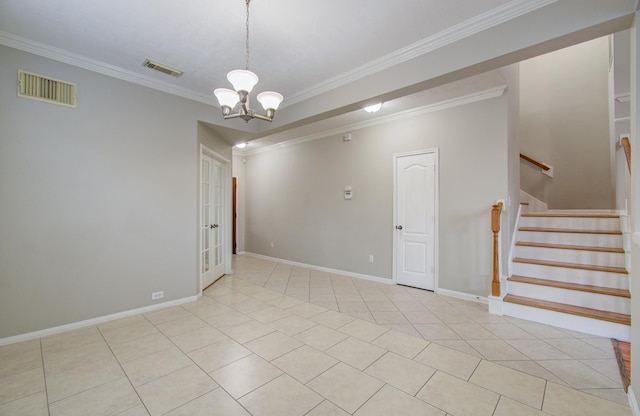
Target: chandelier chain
(247, 38)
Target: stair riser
(562, 274)
(571, 297)
(603, 224)
(574, 239)
(597, 258)
(572, 322)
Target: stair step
(568, 215)
(568, 230)
(572, 286)
(571, 247)
(614, 317)
(619, 270)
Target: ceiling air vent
(165, 69)
(39, 87)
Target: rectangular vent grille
(165, 69)
(39, 87)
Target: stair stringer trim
(512, 248)
(567, 321)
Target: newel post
(495, 228)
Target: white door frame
(226, 163)
(436, 236)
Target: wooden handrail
(626, 145)
(496, 210)
(535, 162)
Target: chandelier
(243, 82)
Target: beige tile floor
(279, 340)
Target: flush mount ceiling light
(243, 82)
(241, 145)
(373, 108)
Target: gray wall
(99, 203)
(294, 194)
(565, 123)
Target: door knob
(213, 226)
(398, 227)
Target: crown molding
(431, 108)
(70, 58)
(482, 22)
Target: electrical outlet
(371, 258)
(157, 295)
(271, 244)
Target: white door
(211, 220)
(415, 212)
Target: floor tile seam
(600, 372)
(44, 377)
(22, 371)
(164, 309)
(125, 373)
(282, 373)
(543, 341)
(338, 362)
(228, 394)
(568, 384)
(206, 324)
(47, 350)
(370, 397)
(123, 376)
(25, 397)
(514, 398)
(433, 405)
(288, 276)
(67, 349)
(397, 388)
(166, 349)
(426, 382)
(482, 356)
(138, 335)
(319, 404)
(192, 400)
(86, 389)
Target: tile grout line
(123, 371)
(44, 376)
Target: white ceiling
(295, 44)
(307, 50)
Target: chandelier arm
(248, 116)
(261, 117)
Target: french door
(212, 194)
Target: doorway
(213, 219)
(415, 197)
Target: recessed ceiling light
(241, 145)
(373, 108)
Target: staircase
(569, 271)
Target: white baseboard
(633, 402)
(462, 295)
(94, 321)
(322, 269)
(496, 305)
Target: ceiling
(327, 57)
